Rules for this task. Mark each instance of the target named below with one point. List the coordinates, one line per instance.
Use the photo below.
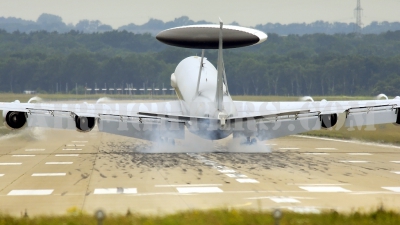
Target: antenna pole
(358, 25)
(198, 79)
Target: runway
(66, 170)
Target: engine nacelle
(328, 120)
(14, 120)
(84, 124)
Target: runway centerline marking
(59, 163)
(359, 153)
(394, 189)
(324, 189)
(235, 175)
(35, 150)
(23, 155)
(305, 184)
(30, 192)
(72, 155)
(395, 161)
(284, 200)
(48, 174)
(396, 172)
(118, 190)
(289, 148)
(1, 174)
(187, 190)
(226, 171)
(186, 185)
(353, 161)
(247, 181)
(326, 148)
(10, 164)
(315, 153)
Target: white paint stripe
(31, 192)
(235, 175)
(35, 150)
(315, 153)
(106, 191)
(353, 161)
(48, 174)
(324, 189)
(396, 172)
(284, 200)
(326, 148)
(67, 155)
(75, 145)
(344, 141)
(299, 184)
(304, 209)
(23, 155)
(10, 164)
(247, 181)
(186, 185)
(394, 189)
(289, 148)
(199, 190)
(1, 174)
(72, 149)
(395, 161)
(79, 141)
(227, 171)
(58, 163)
(359, 153)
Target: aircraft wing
(297, 117)
(115, 118)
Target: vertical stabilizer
(220, 67)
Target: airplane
(204, 106)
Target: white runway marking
(10, 164)
(396, 172)
(298, 184)
(31, 192)
(1, 174)
(226, 171)
(359, 153)
(72, 149)
(235, 175)
(306, 209)
(48, 174)
(326, 148)
(75, 145)
(35, 150)
(247, 181)
(59, 163)
(289, 148)
(80, 141)
(284, 200)
(353, 161)
(23, 155)
(187, 190)
(67, 155)
(186, 185)
(395, 161)
(107, 191)
(316, 153)
(394, 189)
(324, 189)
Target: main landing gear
(249, 141)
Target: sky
(246, 12)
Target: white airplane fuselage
(203, 103)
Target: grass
(387, 133)
(216, 217)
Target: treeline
(294, 65)
(54, 23)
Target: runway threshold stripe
(394, 189)
(395, 161)
(59, 163)
(284, 200)
(23, 155)
(235, 175)
(186, 185)
(298, 184)
(187, 190)
(1, 174)
(48, 174)
(324, 189)
(35, 150)
(30, 192)
(10, 164)
(396, 172)
(119, 190)
(247, 181)
(61, 155)
(226, 171)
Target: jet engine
(14, 120)
(84, 124)
(328, 120)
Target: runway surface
(63, 170)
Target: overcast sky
(246, 12)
